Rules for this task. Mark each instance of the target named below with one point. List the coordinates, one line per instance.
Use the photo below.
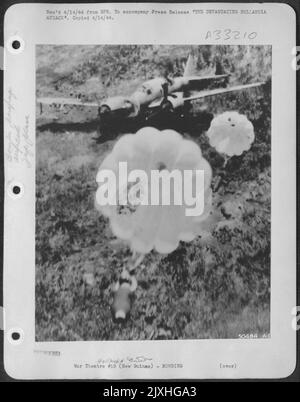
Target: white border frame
(258, 358)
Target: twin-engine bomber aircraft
(156, 96)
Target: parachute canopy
(231, 133)
(161, 226)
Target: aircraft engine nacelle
(118, 107)
(176, 100)
(177, 84)
(149, 91)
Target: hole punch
(16, 190)
(15, 336)
(15, 45)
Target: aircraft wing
(178, 99)
(195, 78)
(65, 101)
(220, 91)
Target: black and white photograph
(150, 273)
(150, 193)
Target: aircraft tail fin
(190, 67)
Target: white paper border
(259, 358)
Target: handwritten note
(19, 145)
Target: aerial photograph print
(131, 271)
